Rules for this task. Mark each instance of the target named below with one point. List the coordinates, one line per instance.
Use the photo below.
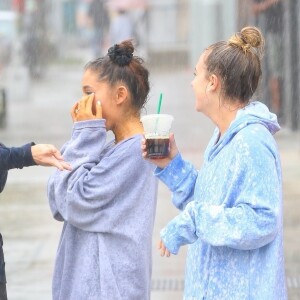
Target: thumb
(98, 109)
(173, 146)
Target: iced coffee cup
(157, 133)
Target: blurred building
(291, 54)
(172, 34)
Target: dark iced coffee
(157, 147)
(157, 132)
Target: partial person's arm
(178, 175)
(250, 223)
(260, 7)
(13, 158)
(48, 156)
(30, 155)
(16, 157)
(3, 174)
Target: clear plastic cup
(157, 133)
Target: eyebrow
(86, 87)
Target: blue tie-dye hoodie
(231, 213)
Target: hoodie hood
(254, 113)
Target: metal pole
(294, 36)
(204, 26)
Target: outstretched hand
(161, 162)
(87, 108)
(47, 155)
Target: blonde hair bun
(250, 38)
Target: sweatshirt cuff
(27, 155)
(98, 123)
(173, 173)
(169, 241)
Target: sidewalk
(31, 235)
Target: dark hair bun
(122, 53)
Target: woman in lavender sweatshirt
(108, 201)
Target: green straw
(158, 111)
(159, 103)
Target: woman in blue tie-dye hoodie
(231, 210)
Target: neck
(224, 116)
(223, 121)
(125, 130)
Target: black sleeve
(16, 157)
(3, 177)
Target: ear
(213, 83)
(122, 94)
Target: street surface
(31, 234)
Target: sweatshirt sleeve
(251, 222)
(16, 157)
(180, 177)
(85, 197)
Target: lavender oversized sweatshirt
(107, 203)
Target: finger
(159, 244)
(87, 104)
(143, 142)
(65, 165)
(143, 146)
(73, 110)
(90, 99)
(55, 163)
(168, 254)
(163, 250)
(98, 109)
(59, 160)
(80, 104)
(83, 103)
(172, 139)
(173, 146)
(59, 164)
(55, 152)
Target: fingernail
(98, 102)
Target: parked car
(8, 34)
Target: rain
(44, 46)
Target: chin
(198, 109)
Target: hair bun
(250, 38)
(121, 54)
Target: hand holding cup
(161, 162)
(157, 131)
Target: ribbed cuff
(27, 155)
(97, 123)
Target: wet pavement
(31, 234)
